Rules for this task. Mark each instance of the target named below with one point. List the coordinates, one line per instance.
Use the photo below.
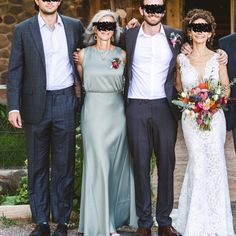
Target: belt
(69, 90)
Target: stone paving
(24, 228)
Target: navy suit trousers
(152, 128)
(51, 154)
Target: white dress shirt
(58, 67)
(150, 66)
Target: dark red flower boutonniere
(115, 63)
(175, 39)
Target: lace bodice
(189, 74)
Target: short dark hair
(142, 2)
(36, 7)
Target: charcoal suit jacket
(130, 38)
(228, 43)
(26, 84)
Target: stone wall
(15, 11)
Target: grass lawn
(12, 149)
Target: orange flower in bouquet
(203, 101)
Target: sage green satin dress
(107, 199)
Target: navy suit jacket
(228, 43)
(130, 43)
(26, 84)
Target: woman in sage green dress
(107, 199)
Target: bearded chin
(152, 23)
(48, 12)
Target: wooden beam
(94, 6)
(113, 5)
(232, 16)
(174, 13)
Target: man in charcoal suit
(151, 50)
(40, 91)
(228, 44)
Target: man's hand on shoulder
(75, 55)
(133, 23)
(223, 57)
(186, 49)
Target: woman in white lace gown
(204, 204)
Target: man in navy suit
(41, 93)
(151, 51)
(228, 43)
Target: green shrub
(22, 192)
(9, 200)
(78, 171)
(12, 143)
(21, 196)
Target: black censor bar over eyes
(200, 27)
(105, 26)
(154, 8)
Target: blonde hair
(89, 35)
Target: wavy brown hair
(195, 14)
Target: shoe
(142, 231)
(61, 230)
(167, 231)
(41, 230)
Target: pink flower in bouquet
(204, 95)
(196, 90)
(204, 100)
(199, 121)
(206, 105)
(224, 100)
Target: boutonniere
(115, 63)
(175, 39)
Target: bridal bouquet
(202, 102)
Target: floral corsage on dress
(115, 63)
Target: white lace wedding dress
(204, 204)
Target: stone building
(14, 11)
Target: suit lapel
(36, 35)
(175, 51)
(133, 41)
(168, 31)
(69, 36)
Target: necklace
(103, 53)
